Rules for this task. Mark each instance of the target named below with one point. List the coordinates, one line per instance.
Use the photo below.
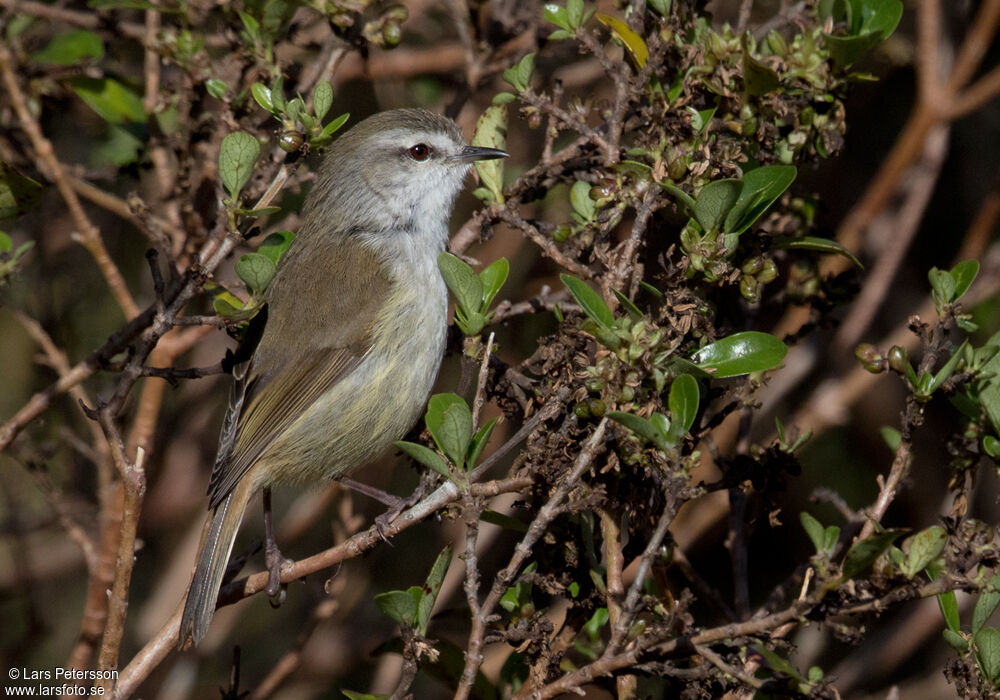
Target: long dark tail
(216, 548)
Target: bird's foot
(274, 560)
(272, 557)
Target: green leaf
(425, 456)
(880, 16)
(662, 7)
(640, 426)
(715, 201)
(479, 441)
(592, 628)
(777, 663)
(227, 305)
(237, 156)
(256, 271)
(741, 353)
(686, 201)
(863, 554)
(758, 77)
(449, 420)
(322, 99)
(683, 403)
(830, 536)
(590, 301)
(991, 446)
(502, 98)
(988, 388)
(505, 521)
(820, 245)
(251, 25)
(462, 280)
(113, 101)
(761, 188)
(923, 548)
(400, 606)
(942, 285)
(891, 437)
(519, 76)
(964, 274)
(579, 198)
(949, 610)
(334, 126)
(432, 587)
(955, 640)
(633, 311)
(987, 603)
(574, 13)
(700, 119)
(988, 652)
(71, 48)
(948, 369)
(18, 194)
(216, 88)
(491, 132)
(634, 44)
(845, 50)
(557, 15)
(352, 695)
(814, 529)
(276, 245)
(493, 278)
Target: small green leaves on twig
(237, 156)
(922, 549)
(256, 270)
(661, 431)
(948, 286)
(517, 598)
(294, 112)
(862, 554)
(473, 293)
(868, 23)
(519, 76)
(584, 208)
(824, 539)
(449, 421)
(568, 19)
(413, 606)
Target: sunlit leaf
(633, 42)
(741, 353)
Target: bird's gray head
(395, 172)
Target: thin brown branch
(165, 641)
(538, 527)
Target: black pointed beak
(473, 153)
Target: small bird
(353, 330)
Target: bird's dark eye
(420, 152)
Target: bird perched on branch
(353, 330)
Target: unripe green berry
(899, 359)
(392, 34)
(290, 141)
